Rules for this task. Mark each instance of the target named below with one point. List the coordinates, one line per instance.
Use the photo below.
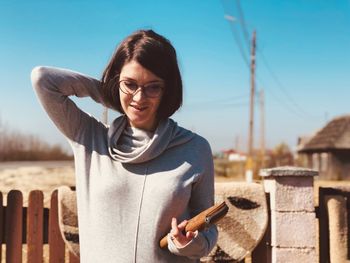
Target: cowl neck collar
(131, 145)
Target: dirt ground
(36, 176)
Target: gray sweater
(130, 182)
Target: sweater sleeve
(202, 197)
(53, 87)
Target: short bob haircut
(155, 53)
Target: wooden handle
(196, 223)
(164, 242)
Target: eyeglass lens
(150, 90)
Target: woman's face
(141, 110)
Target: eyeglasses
(151, 90)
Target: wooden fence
(34, 226)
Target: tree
(281, 155)
(16, 146)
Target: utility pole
(262, 128)
(252, 97)
(249, 168)
(105, 115)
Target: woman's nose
(138, 95)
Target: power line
(220, 100)
(291, 105)
(266, 64)
(218, 106)
(231, 19)
(280, 85)
(245, 31)
(283, 105)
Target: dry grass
(36, 177)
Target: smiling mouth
(138, 108)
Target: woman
(140, 176)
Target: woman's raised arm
(53, 87)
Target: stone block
(290, 194)
(294, 255)
(293, 230)
(288, 171)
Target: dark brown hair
(155, 53)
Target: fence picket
(35, 214)
(1, 225)
(56, 243)
(14, 220)
(262, 253)
(73, 258)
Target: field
(28, 176)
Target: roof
(229, 151)
(334, 136)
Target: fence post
(56, 243)
(293, 218)
(14, 227)
(1, 224)
(35, 222)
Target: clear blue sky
(303, 60)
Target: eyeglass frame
(140, 87)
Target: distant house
(328, 150)
(234, 156)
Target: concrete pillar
(338, 228)
(293, 218)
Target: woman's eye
(131, 85)
(154, 87)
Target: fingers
(177, 229)
(190, 235)
(182, 225)
(174, 229)
(177, 232)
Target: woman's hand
(177, 234)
